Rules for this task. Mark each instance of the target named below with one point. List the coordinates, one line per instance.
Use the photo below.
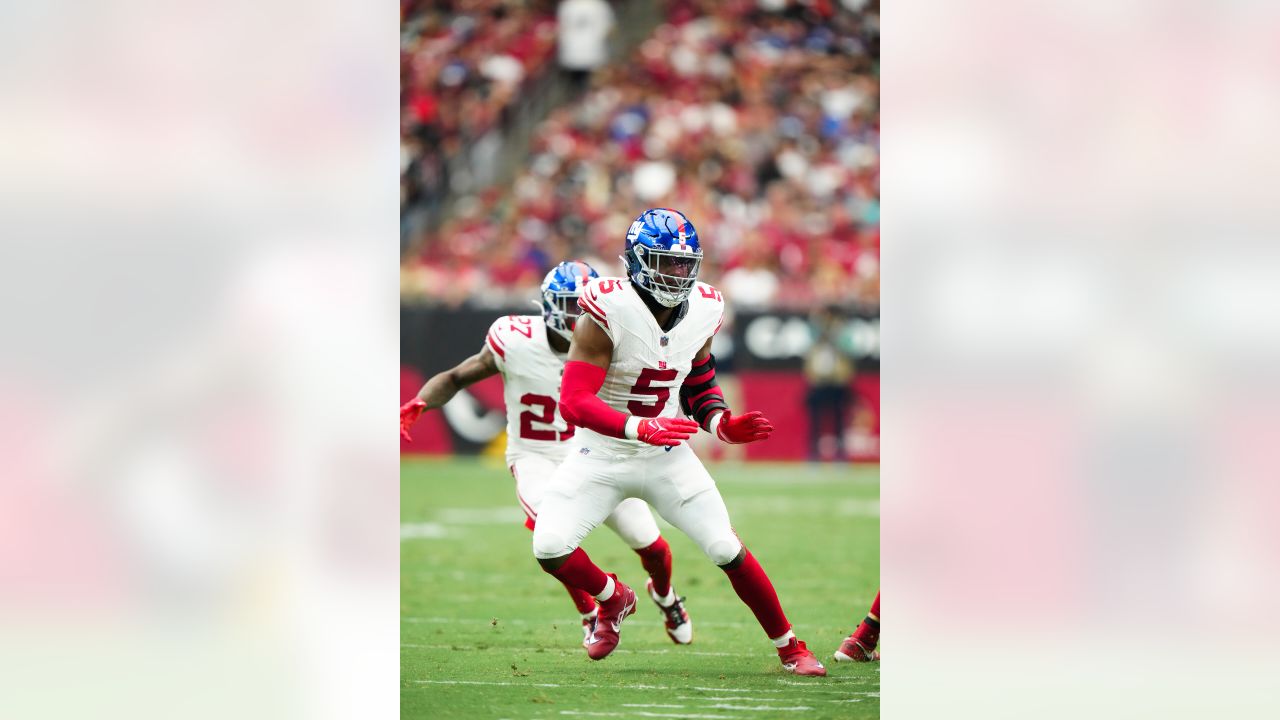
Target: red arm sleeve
(580, 405)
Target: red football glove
(666, 431)
(409, 413)
(744, 428)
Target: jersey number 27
(546, 416)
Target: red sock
(579, 572)
(868, 632)
(581, 599)
(584, 601)
(656, 560)
(753, 586)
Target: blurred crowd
(759, 119)
(463, 64)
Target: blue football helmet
(560, 290)
(663, 255)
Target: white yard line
(813, 687)
(758, 708)
(492, 682)
(643, 714)
(651, 705)
(419, 530)
(523, 621)
(570, 651)
(636, 686)
(492, 515)
(695, 687)
(735, 698)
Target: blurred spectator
(754, 283)
(828, 370)
(758, 120)
(583, 28)
(462, 65)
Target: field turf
(486, 634)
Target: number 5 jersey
(649, 364)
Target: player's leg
(839, 416)
(583, 492)
(682, 491)
(634, 523)
(533, 475)
(861, 645)
(813, 402)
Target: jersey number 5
(644, 386)
(546, 416)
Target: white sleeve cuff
(713, 421)
(632, 429)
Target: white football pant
(586, 489)
(629, 518)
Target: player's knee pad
(723, 550)
(549, 544)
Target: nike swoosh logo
(617, 624)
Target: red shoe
(604, 638)
(797, 659)
(852, 650)
(679, 626)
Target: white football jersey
(531, 373)
(649, 364)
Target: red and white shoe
(588, 625)
(797, 659)
(852, 650)
(679, 626)
(611, 613)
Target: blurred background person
(829, 372)
(583, 28)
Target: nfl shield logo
(663, 341)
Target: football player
(529, 351)
(644, 356)
(861, 645)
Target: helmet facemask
(561, 311)
(670, 274)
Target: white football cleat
(679, 626)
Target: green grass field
(486, 634)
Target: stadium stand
(758, 119)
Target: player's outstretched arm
(701, 399)
(590, 353)
(441, 388)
